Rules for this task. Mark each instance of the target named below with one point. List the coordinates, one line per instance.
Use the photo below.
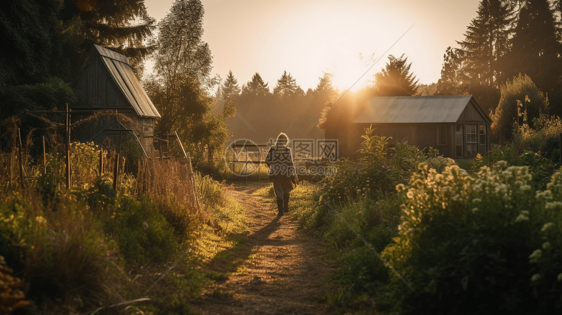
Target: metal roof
(122, 74)
(414, 109)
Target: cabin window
(482, 134)
(471, 140)
(458, 140)
(442, 135)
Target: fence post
(101, 161)
(10, 167)
(21, 159)
(190, 170)
(67, 144)
(246, 165)
(233, 160)
(44, 157)
(116, 169)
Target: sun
(351, 73)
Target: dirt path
(280, 271)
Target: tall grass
(79, 248)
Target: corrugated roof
(122, 73)
(414, 109)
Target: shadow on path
(275, 269)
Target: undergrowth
(89, 247)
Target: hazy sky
(310, 37)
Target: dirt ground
(280, 269)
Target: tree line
(505, 39)
(259, 113)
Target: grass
(91, 246)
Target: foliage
(44, 38)
(142, 232)
(463, 238)
(77, 246)
(11, 296)
(535, 47)
(538, 148)
(287, 86)
(230, 88)
(378, 170)
(256, 86)
(50, 94)
(520, 89)
(26, 51)
(395, 78)
(486, 43)
(451, 81)
(183, 62)
(123, 26)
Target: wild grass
(91, 246)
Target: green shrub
(521, 89)
(209, 191)
(466, 243)
(142, 232)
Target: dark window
(482, 134)
(471, 140)
(441, 135)
(458, 140)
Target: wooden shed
(107, 82)
(454, 124)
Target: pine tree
(486, 44)
(122, 25)
(28, 30)
(325, 84)
(287, 86)
(535, 48)
(230, 87)
(256, 86)
(395, 79)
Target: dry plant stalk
(164, 178)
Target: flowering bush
(486, 243)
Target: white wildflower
(535, 256)
(547, 226)
(553, 205)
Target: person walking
(282, 171)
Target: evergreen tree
(256, 86)
(535, 49)
(325, 85)
(122, 25)
(486, 43)
(230, 87)
(28, 32)
(286, 85)
(395, 79)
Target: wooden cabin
(107, 83)
(454, 124)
